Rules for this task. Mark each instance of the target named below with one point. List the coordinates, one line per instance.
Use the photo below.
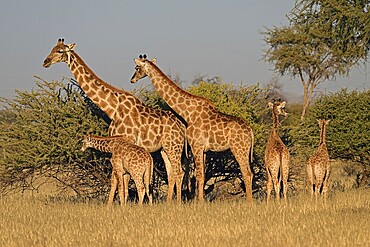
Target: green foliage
(325, 39)
(41, 133)
(345, 25)
(348, 131)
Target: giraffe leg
(140, 188)
(242, 154)
(317, 186)
(126, 179)
(177, 172)
(310, 178)
(120, 187)
(199, 172)
(319, 182)
(276, 182)
(118, 172)
(284, 172)
(268, 185)
(179, 178)
(113, 187)
(147, 182)
(325, 185)
(170, 176)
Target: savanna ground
(44, 220)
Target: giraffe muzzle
(133, 79)
(47, 63)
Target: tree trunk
(308, 88)
(305, 100)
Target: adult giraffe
(146, 127)
(207, 128)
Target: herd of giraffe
(137, 130)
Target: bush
(347, 133)
(41, 133)
(349, 129)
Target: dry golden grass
(38, 221)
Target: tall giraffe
(126, 158)
(276, 154)
(146, 127)
(207, 128)
(318, 166)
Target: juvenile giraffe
(276, 155)
(126, 158)
(318, 166)
(152, 129)
(207, 128)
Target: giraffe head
(86, 143)
(323, 122)
(60, 53)
(278, 107)
(141, 68)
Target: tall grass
(39, 221)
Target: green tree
(41, 133)
(324, 39)
(347, 21)
(349, 129)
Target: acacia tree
(324, 39)
(40, 140)
(349, 128)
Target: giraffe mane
(104, 83)
(115, 137)
(169, 81)
(82, 62)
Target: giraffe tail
(186, 147)
(251, 149)
(280, 167)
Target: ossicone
(142, 56)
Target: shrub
(41, 133)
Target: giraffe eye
(60, 51)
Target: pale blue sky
(188, 38)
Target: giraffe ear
(270, 104)
(71, 46)
(154, 60)
(282, 105)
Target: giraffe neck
(103, 145)
(101, 93)
(178, 99)
(323, 134)
(275, 125)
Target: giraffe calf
(318, 166)
(277, 155)
(126, 158)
